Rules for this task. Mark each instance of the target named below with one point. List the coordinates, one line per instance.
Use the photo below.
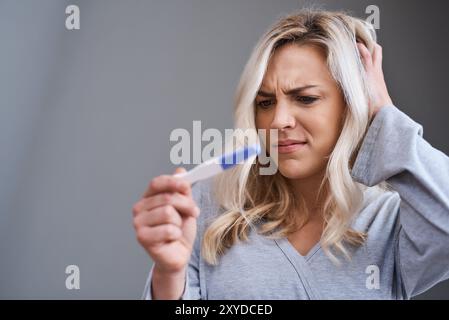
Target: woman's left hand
(375, 77)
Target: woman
(359, 205)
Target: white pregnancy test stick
(217, 165)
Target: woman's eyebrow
(298, 89)
(265, 94)
(288, 92)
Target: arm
(394, 150)
(190, 279)
(191, 289)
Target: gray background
(85, 118)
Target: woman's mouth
(288, 146)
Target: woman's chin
(297, 170)
(292, 170)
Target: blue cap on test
(231, 159)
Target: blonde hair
(268, 198)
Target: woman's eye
(264, 104)
(306, 99)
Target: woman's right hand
(165, 223)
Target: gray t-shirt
(406, 251)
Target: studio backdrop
(87, 107)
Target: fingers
(377, 55)
(370, 60)
(180, 170)
(365, 55)
(150, 236)
(158, 216)
(167, 183)
(182, 203)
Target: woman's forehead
(297, 66)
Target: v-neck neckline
(309, 254)
(300, 264)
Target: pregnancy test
(219, 164)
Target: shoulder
(203, 193)
(379, 212)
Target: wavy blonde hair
(268, 198)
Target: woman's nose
(283, 119)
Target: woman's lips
(292, 147)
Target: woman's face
(299, 97)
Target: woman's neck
(307, 189)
